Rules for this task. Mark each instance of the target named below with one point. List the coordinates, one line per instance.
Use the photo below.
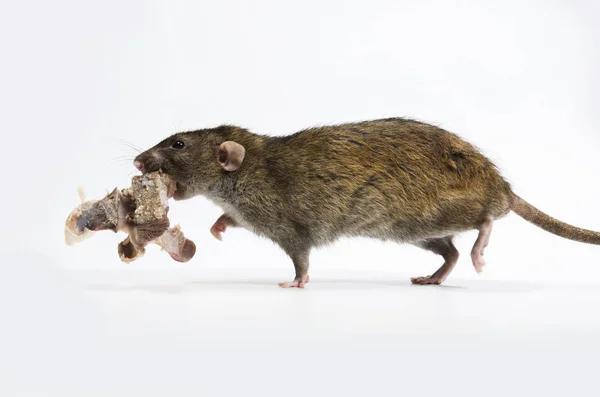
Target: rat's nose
(139, 165)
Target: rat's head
(195, 160)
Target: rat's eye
(178, 145)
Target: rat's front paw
(217, 229)
(221, 225)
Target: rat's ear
(230, 155)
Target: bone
(140, 211)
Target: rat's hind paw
(297, 283)
(428, 280)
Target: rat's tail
(549, 224)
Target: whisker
(131, 146)
(126, 156)
(122, 163)
(122, 159)
(134, 146)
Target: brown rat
(392, 179)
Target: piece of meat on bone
(140, 211)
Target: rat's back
(392, 179)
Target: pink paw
(299, 283)
(478, 262)
(218, 228)
(428, 280)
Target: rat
(391, 179)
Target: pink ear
(230, 155)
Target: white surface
(517, 79)
(190, 332)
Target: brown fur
(552, 225)
(391, 179)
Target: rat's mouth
(179, 192)
(170, 183)
(175, 189)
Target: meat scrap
(140, 211)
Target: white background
(518, 79)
